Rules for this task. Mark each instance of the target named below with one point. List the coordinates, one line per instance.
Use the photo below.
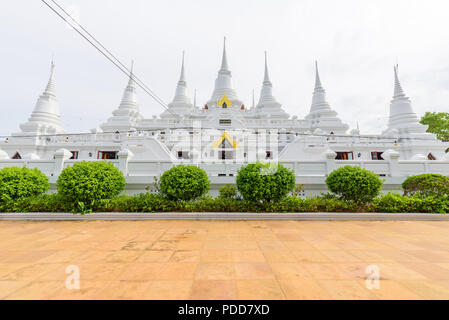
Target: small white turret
(181, 104)
(402, 116)
(321, 115)
(127, 115)
(45, 118)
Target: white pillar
(61, 156)
(393, 158)
(123, 157)
(330, 156)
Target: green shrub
(17, 183)
(354, 184)
(228, 192)
(396, 203)
(426, 185)
(184, 183)
(265, 182)
(42, 203)
(86, 183)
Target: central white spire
(224, 59)
(223, 83)
(45, 118)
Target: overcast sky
(356, 43)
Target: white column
(330, 155)
(61, 156)
(123, 157)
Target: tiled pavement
(224, 260)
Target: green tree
(438, 124)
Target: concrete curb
(223, 216)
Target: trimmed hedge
(392, 203)
(354, 184)
(228, 192)
(426, 185)
(17, 183)
(85, 182)
(265, 182)
(184, 183)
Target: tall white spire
(266, 94)
(181, 93)
(321, 114)
(45, 118)
(223, 83)
(398, 91)
(181, 104)
(50, 89)
(224, 59)
(127, 115)
(266, 78)
(268, 104)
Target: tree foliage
(438, 124)
(184, 183)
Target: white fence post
(61, 156)
(330, 161)
(123, 157)
(393, 158)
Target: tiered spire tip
(318, 85)
(398, 91)
(51, 84)
(266, 79)
(224, 60)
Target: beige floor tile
(393, 290)
(347, 290)
(178, 271)
(309, 256)
(427, 289)
(214, 290)
(255, 270)
(185, 256)
(37, 291)
(326, 271)
(8, 287)
(279, 255)
(215, 271)
(217, 256)
(303, 289)
(168, 290)
(141, 271)
(155, 256)
(284, 270)
(259, 290)
(125, 290)
(340, 256)
(123, 256)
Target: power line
(117, 63)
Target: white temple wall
(312, 174)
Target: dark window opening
(74, 155)
(431, 157)
(269, 155)
(225, 122)
(17, 156)
(183, 155)
(224, 105)
(225, 155)
(345, 156)
(108, 155)
(376, 155)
